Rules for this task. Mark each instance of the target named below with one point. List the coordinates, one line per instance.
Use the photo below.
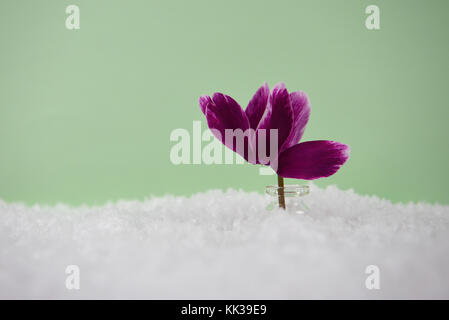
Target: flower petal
(204, 102)
(256, 107)
(312, 159)
(223, 113)
(301, 112)
(278, 116)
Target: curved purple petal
(312, 159)
(301, 112)
(278, 116)
(204, 102)
(257, 105)
(223, 113)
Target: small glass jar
(293, 194)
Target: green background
(86, 115)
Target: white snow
(226, 245)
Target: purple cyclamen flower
(286, 112)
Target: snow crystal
(226, 245)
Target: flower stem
(281, 196)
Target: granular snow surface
(225, 245)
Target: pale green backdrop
(85, 115)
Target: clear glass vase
(293, 194)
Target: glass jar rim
(290, 190)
